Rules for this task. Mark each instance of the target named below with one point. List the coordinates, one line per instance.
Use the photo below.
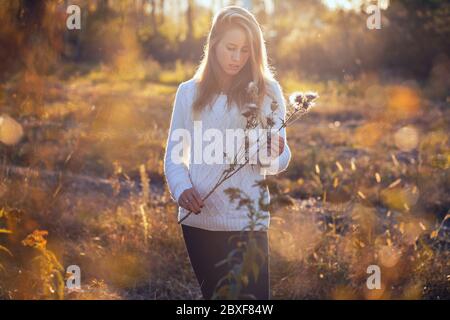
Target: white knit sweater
(218, 213)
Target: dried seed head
(311, 96)
(250, 110)
(252, 90)
(303, 101)
(297, 99)
(274, 105)
(247, 113)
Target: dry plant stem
(222, 179)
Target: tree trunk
(153, 16)
(161, 11)
(189, 20)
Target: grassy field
(369, 181)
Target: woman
(215, 98)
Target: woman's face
(233, 51)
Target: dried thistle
(251, 109)
(270, 122)
(274, 106)
(303, 101)
(252, 91)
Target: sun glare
(353, 4)
(343, 4)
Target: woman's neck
(225, 83)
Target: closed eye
(232, 49)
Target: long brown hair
(256, 68)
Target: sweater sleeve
(176, 158)
(279, 163)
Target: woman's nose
(236, 56)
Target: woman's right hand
(191, 200)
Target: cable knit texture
(218, 213)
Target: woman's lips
(234, 67)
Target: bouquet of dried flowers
(299, 104)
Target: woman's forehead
(235, 36)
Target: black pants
(206, 248)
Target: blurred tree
(30, 14)
(33, 37)
(303, 36)
(161, 11)
(153, 18)
(103, 6)
(418, 32)
(259, 10)
(189, 20)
